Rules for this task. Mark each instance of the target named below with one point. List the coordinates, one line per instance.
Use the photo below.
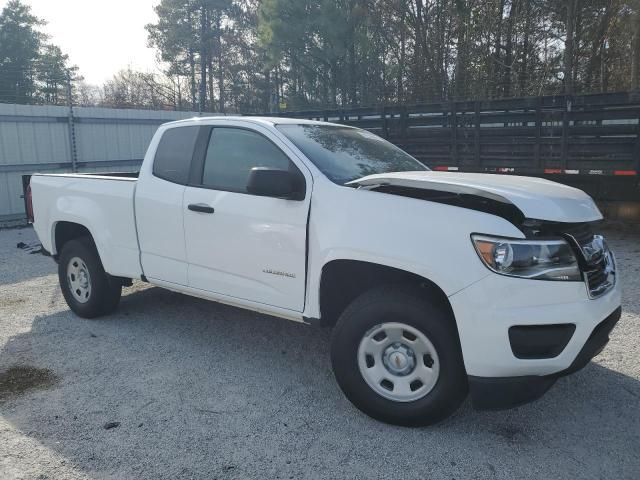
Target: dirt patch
(11, 302)
(22, 378)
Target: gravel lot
(201, 390)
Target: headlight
(538, 260)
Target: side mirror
(269, 182)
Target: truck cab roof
(252, 119)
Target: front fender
(424, 238)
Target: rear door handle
(200, 207)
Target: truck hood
(536, 198)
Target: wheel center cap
(399, 359)
(84, 281)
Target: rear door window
(175, 151)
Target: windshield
(344, 153)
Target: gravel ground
(193, 389)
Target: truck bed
(116, 175)
(104, 203)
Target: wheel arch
(64, 231)
(342, 280)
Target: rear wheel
(397, 357)
(89, 291)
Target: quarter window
(231, 155)
(173, 156)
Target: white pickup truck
(435, 283)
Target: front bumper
(494, 393)
(487, 309)
(485, 312)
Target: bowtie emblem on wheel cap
(399, 359)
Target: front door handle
(200, 207)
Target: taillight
(30, 217)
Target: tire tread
(105, 290)
(451, 389)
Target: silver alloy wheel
(79, 279)
(398, 362)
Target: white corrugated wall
(36, 139)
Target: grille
(595, 259)
(581, 233)
(598, 266)
(598, 278)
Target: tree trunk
(508, 51)
(596, 57)
(441, 58)
(577, 36)
(462, 15)
(403, 52)
(568, 49)
(418, 55)
(203, 59)
(446, 47)
(192, 76)
(495, 67)
(334, 82)
(325, 86)
(178, 103)
(524, 63)
(210, 85)
(635, 61)
(273, 105)
(352, 74)
(220, 65)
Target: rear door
(241, 245)
(158, 206)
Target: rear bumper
(495, 393)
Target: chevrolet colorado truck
(436, 284)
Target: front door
(241, 245)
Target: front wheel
(397, 357)
(89, 291)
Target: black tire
(105, 290)
(407, 305)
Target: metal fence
(595, 134)
(577, 139)
(56, 139)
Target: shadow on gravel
(175, 387)
(21, 258)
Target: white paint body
(144, 228)
(535, 197)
